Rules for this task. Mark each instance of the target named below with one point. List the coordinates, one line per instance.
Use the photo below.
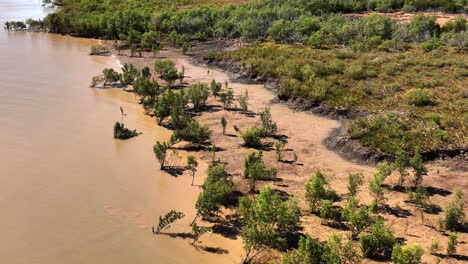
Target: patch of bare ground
(441, 18)
(305, 135)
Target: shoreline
(297, 127)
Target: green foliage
(419, 197)
(217, 172)
(224, 124)
(255, 169)
(355, 180)
(434, 247)
(330, 213)
(214, 194)
(407, 254)
(454, 217)
(378, 243)
(215, 88)
(267, 219)
(168, 219)
(279, 147)
(375, 185)
(129, 74)
(252, 137)
(193, 133)
(166, 70)
(192, 165)
(316, 191)
(452, 244)
(121, 132)
(419, 168)
(145, 87)
(110, 76)
(227, 98)
(269, 127)
(309, 251)
(160, 152)
(198, 94)
(336, 251)
(358, 218)
(419, 97)
(400, 164)
(244, 102)
(198, 231)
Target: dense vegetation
(419, 98)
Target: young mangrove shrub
(267, 220)
(269, 127)
(121, 132)
(309, 251)
(454, 218)
(99, 50)
(214, 195)
(329, 213)
(215, 88)
(160, 152)
(166, 70)
(407, 254)
(244, 102)
(166, 221)
(379, 242)
(192, 165)
(358, 218)
(279, 147)
(217, 172)
(252, 137)
(258, 171)
(198, 94)
(419, 168)
(129, 74)
(227, 98)
(375, 185)
(316, 191)
(419, 197)
(434, 247)
(193, 133)
(355, 180)
(336, 251)
(146, 88)
(224, 124)
(400, 164)
(110, 76)
(452, 244)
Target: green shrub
(198, 94)
(407, 254)
(121, 132)
(454, 212)
(419, 97)
(309, 251)
(316, 191)
(452, 244)
(378, 243)
(252, 137)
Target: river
(69, 192)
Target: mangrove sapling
(182, 75)
(252, 137)
(329, 213)
(407, 254)
(355, 180)
(379, 242)
(121, 132)
(258, 171)
(166, 221)
(454, 217)
(192, 165)
(376, 189)
(224, 124)
(129, 74)
(336, 251)
(160, 152)
(99, 50)
(215, 88)
(269, 127)
(400, 164)
(419, 168)
(197, 95)
(244, 102)
(227, 98)
(452, 244)
(279, 147)
(358, 218)
(193, 133)
(316, 191)
(110, 76)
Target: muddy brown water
(69, 192)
